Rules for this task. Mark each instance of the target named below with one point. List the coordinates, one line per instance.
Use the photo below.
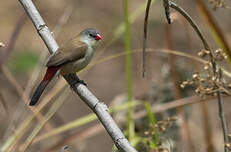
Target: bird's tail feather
(50, 73)
(38, 92)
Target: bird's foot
(82, 82)
(76, 82)
(74, 79)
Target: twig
(214, 67)
(98, 107)
(222, 114)
(167, 10)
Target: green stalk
(127, 41)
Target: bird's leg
(74, 80)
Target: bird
(70, 58)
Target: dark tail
(50, 73)
(38, 92)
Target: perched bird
(72, 57)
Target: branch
(98, 107)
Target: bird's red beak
(98, 37)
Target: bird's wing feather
(67, 53)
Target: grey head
(90, 36)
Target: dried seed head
(202, 80)
(2, 44)
(146, 133)
(182, 86)
(229, 136)
(214, 78)
(195, 76)
(174, 118)
(214, 94)
(228, 145)
(203, 53)
(184, 83)
(208, 90)
(206, 67)
(218, 51)
(229, 85)
(220, 55)
(198, 90)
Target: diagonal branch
(98, 107)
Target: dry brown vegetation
(174, 108)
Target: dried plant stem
(167, 10)
(98, 107)
(222, 114)
(214, 68)
(145, 37)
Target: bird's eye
(91, 35)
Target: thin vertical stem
(130, 123)
(222, 114)
(145, 37)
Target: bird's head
(90, 36)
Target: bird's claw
(82, 82)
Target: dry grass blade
(78, 136)
(157, 108)
(12, 140)
(3, 101)
(22, 128)
(47, 116)
(7, 50)
(18, 88)
(174, 52)
(215, 30)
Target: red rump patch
(51, 71)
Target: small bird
(72, 57)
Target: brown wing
(68, 53)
